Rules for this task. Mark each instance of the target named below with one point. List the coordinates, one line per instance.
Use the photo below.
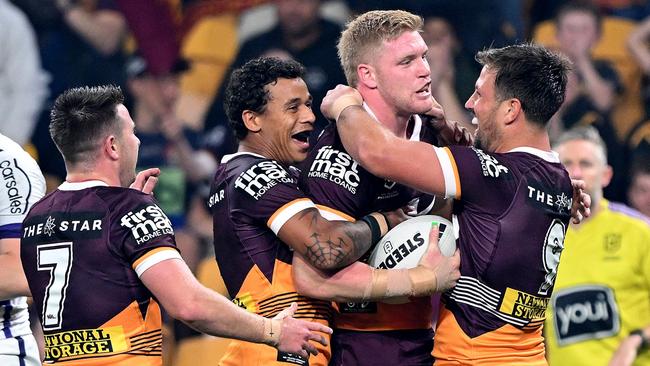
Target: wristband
(644, 340)
(343, 102)
(378, 225)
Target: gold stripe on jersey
(284, 213)
(449, 172)
(155, 256)
(456, 174)
(126, 339)
(338, 215)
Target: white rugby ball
(403, 246)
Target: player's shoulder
(120, 198)
(235, 164)
(21, 181)
(253, 173)
(11, 153)
(247, 166)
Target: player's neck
(525, 135)
(257, 145)
(387, 115)
(77, 177)
(100, 170)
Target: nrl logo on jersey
(490, 165)
(337, 167)
(261, 177)
(147, 223)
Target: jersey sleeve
(141, 233)
(268, 195)
(474, 176)
(22, 185)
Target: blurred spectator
(630, 9)
(541, 10)
(82, 46)
(639, 45)
(155, 31)
(490, 22)
(602, 290)
(452, 70)
(592, 86)
(301, 34)
(202, 23)
(23, 84)
(638, 193)
(167, 144)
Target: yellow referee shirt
(602, 291)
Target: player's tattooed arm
(338, 247)
(333, 244)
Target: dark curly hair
(246, 89)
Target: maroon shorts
(399, 347)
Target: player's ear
(512, 110)
(252, 120)
(367, 76)
(111, 147)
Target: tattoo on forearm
(325, 253)
(337, 250)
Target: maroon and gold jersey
(251, 198)
(83, 249)
(512, 211)
(343, 190)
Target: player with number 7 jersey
(83, 247)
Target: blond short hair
(367, 32)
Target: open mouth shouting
(302, 138)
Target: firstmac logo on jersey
(147, 223)
(490, 165)
(337, 167)
(261, 177)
